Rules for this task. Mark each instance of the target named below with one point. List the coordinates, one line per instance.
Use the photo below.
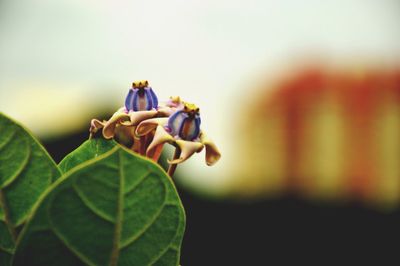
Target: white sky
(59, 58)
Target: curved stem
(157, 152)
(142, 149)
(136, 145)
(172, 167)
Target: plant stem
(142, 149)
(136, 145)
(157, 152)
(172, 167)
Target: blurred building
(324, 133)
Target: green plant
(105, 203)
(102, 205)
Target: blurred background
(301, 97)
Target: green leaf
(93, 148)
(26, 171)
(116, 209)
(90, 149)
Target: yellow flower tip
(140, 84)
(173, 102)
(190, 108)
(175, 99)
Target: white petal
(95, 125)
(165, 111)
(139, 116)
(188, 148)
(146, 126)
(109, 127)
(160, 137)
(212, 152)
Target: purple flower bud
(185, 122)
(141, 97)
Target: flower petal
(123, 135)
(187, 150)
(160, 137)
(146, 126)
(174, 101)
(95, 125)
(212, 152)
(109, 127)
(139, 116)
(165, 111)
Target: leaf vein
(157, 258)
(9, 251)
(139, 234)
(53, 229)
(7, 220)
(7, 140)
(21, 168)
(141, 179)
(90, 206)
(120, 212)
(171, 244)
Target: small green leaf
(26, 171)
(116, 209)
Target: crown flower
(185, 123)
(141, 97)
(141, 103)
(182, 130)
(144, 126)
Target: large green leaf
(93, 148)
(116, 209)
(26, 170)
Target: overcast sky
(57, 54)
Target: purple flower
(185, 123)
(182, 130)
(141, 97)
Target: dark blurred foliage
(277, 232)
